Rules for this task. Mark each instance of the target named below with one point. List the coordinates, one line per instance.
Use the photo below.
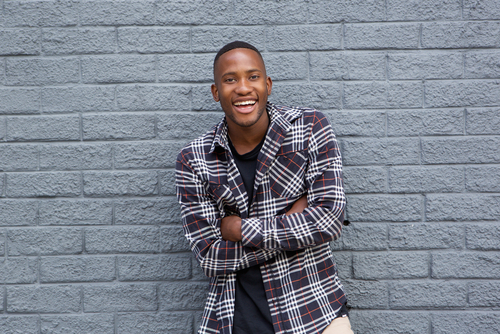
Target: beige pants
(339, 325)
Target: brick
(325, 11)
(147, 212)
(172, 240)
(133, 183)
(16, 42)
(400, 10)
(483, 236)
(120, 239)
(186, 125)
(343, 260)
(426, 179)
(118, 126)
(484, 294)
(67, 184)
(212, 38)
(185, 68)
(76, 157)
(428, 295)
(471, 150)
(154, 97)
(366, 294)
(391, 322)
(456, 322)
(19, 324)
(81, 212)
(197, 12)
(154, 268)
(380, 151)
(374, 208)
(118, 69)
(43, 299)
(460, 35)
(153, 40)
(321, 96)
(286, 66)
(41, 13)
(377, 94)
(28, 128)
(41, 71)
(358, 123)
(18, 271)
(46, 241)
(120, 298)
(465, 265)
(203, 100)
(382, 36)
(112, 12)
(405, 66)
(270, 12)
(18, 157)
(162, 322)
(347, 65)
(17, 213)
(483, 179)
(390, 265)
(485, 9)
(304, 37)
(482, 65)
(77, 269)
(78, 98)
(425, 236)
(167, 181)
(182, 296)
(2, 243)
(462, 207)
(472, 93)
(57, 41)
(359, 236)
(75, 324)
(404, 123)
(483, 121)
(19, 100)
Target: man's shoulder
(293, 113)
(199, 146)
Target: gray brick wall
(98, 96)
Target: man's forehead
(229, 56)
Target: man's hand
(230, 228)
(298, 206)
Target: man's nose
(243, 87)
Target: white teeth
(244, 103)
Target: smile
(245, 103)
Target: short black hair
(235, 45)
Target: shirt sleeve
(201, 219)
(322, 220)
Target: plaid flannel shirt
(300, 155)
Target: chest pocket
(287, 174)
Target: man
(261, 197)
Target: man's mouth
(245, 103)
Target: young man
(261, 197)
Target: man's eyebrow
(248, 71)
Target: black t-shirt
(251, 311)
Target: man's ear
(215, 92)
(269, 84)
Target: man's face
(241, 86)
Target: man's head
(241, 84)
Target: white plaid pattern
(300, 155)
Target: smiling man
(262, 196)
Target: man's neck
(246, 139)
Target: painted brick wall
(98, 96)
